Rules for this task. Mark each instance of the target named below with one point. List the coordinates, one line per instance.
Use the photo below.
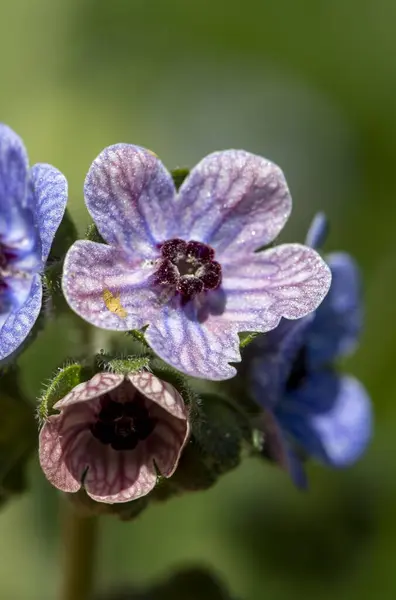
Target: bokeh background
(310, 85)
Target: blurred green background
(310, 85)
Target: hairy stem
(79, 552)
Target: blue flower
(185, 263)
(32, 203)
(309, 408)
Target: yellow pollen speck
(113, 304)
(152, 153)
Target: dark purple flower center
(299, 371)
(123, 425)
(189, 267)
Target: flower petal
(330, 416)
(166, 443)
(161, 392)
(115, 476)
(278, 450)
(17, 227)
(100, 384)
(270, 359)
(233, 201)
(200, 349)
(338, 320)
(13, 175)
(172, 430)
(49, 196)
(60, 437)
(129, 194)
(19, 323)
(106, 289)
(288, 281)
(317, 231)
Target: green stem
(79, 553)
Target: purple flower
(32, 203)
(309, 407)
(185, 263)
(113, 435)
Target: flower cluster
(310, 409)
(191, 268)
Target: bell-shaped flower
(114, 436)
(185, 263)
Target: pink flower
(113, 435)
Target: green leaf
(18, 435)
(192, 583)
(220, 434)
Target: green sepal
(121, 365)
(92, 234)
(62, 383)
(246, 338)
(138, 336)
(179, 175)
(65, 236)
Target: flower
(112, 435)
(308, 406)
(32, 203)
(185, 263)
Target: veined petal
(19, 322)
(317, 231)
(48, 190)
(17, 227)
(115, 476)
(233, 201)
(100, 384)
(197, 348)
(160, 392)
(338, 320)
(129, 194)
(288, 281)
(270, 359)
(13, 176)
(330, 416)
(105, 288)
(61, 436)
(172, 430)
